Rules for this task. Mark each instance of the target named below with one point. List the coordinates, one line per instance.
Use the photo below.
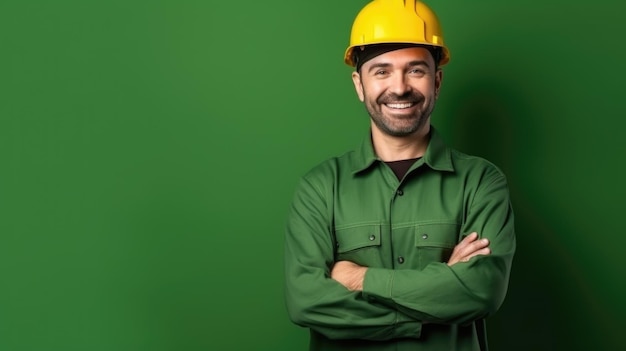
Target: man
(404, 243)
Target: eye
(380, 72)
(417, 71)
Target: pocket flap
(437, 235)
(357, 237)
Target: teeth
(403, 105)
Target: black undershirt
(401, 167)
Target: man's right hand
(469, 247)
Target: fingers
(483, 251)
(471, 244)
(469, 238)
(469, 247)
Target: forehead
(402, 57)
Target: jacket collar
(438, 155)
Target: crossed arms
(343, 300)
(351, 275)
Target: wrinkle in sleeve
(313, 298)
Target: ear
(438, 79)
(358, 85)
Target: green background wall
(149, 150)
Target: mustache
(391, 98)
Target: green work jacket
(354, 208)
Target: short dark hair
(366, 53)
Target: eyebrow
(378, 65)
(418, 63)
(387, 65)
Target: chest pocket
(359, 244)
(435, 242)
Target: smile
(400, 105)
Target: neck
(391, 148)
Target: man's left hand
(349, 274)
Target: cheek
(428, 89)
(373, 91)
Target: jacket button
(424, 236)
(400, 192)
(372, 237)
(400, 259)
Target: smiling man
(404, 243)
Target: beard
(400, 124)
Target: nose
(399, 85)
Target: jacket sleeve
(313, 298)
(466, 291)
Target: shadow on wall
(550, 306)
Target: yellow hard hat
(396, 21)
